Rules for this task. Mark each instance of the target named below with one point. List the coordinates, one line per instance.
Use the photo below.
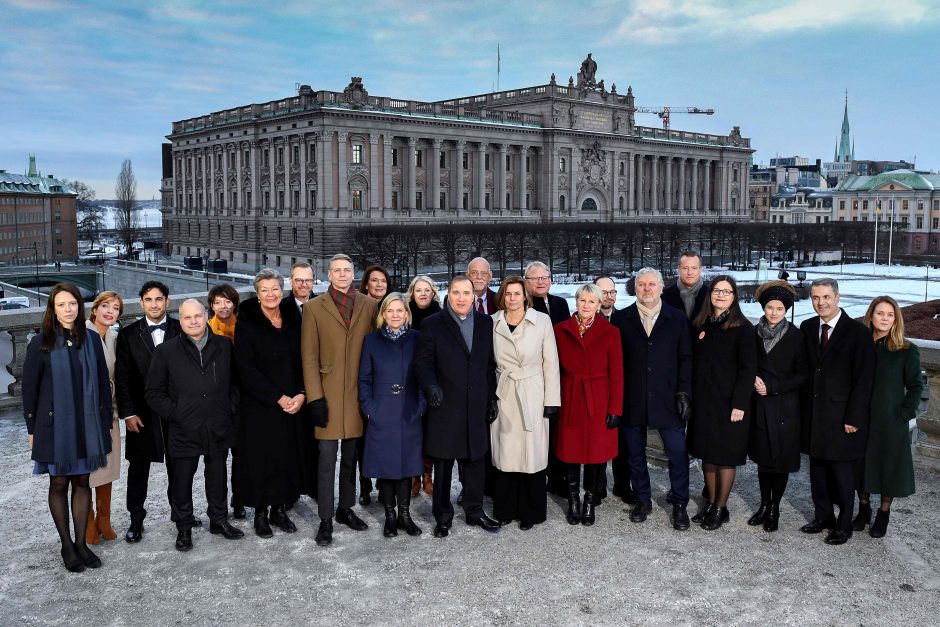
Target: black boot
(262, 526)
(773, 517)
(702, 513)
(716, 517)
(573, 472)
(405, 523)
(280, 520)
(587, 510)
(592, 486)
(390, 530)
(863, 519)
(760, 515)
(880, 526)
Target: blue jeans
(674, 444)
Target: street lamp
(205, 267)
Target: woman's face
(223, 308)
(396, 315)
(270, 293)
(514, 298)
(883, 318)
(108, 312)
(422, 294)
(66, 309)
(587, 305)
(377, 285)
(774, 311)
(722, 296)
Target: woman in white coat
(529, 395)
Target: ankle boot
(716, 517)
(262, 525)
(760, 515)
(574, 495)
(390, 530)
(103, 518)
(91, 530)
(587, 510)
(702, 513)
(428, 483)
(415, 486)
(405, 522)
(880, 526)
(773, 517)
(863, 518)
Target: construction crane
(663, 112)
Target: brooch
(69, 342)
(701, 335)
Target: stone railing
(927, 445)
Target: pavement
(613, 573)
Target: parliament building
(268, 184)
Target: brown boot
(415, 486)
(91, 530)
(428, 484)
(103, 504)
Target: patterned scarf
(394, 335)
(344, 302)
(771, 335)
(583, 326)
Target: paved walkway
(613, 573)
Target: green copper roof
(23, 184)
(905, 178)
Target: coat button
(203, 395)
(50, 413)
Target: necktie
(480, 305)
(824, 337)
(154, 327)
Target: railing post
(15, 367)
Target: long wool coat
(112, 471)
(527, 381)
(591, 388)
(330, 354)
(389, 395)
(889, 467)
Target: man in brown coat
(335, 324)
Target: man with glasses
(301, 291)
(301, 284)
(538, 280)
(609, 290)
(480, 274)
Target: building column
(456, 184)
(501, 178)
(343, 140)
(288, 191)
(412, 184)
(373, 171)
(325, 170)
(631, 183)
(694, 201)
(573, 184)
(520, 186)
(272, 164)
(387, 173)
(640, 182)
(683, 186)
(434, 202)
(480, 186)
(708, 204)
(304, 201)
(654, 184)
(615, 184)
(185, 206)
(225, 196)
(670, 187)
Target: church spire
(845, 152)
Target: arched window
(622, 168)
(621, 201)
(561, 202)
(561, 165)
(589, 204)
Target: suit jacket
(557, 308)
(656, 368)
(838, 390)
(671, 297)
(131, 365)
(457, 429)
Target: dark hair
(363, 284)
(51, 328)
(149, 285)
(603, 276)
(225, 291)
(735, 317)
(512, 280)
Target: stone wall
(126, 277)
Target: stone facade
(267, 184)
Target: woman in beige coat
(529, 393)
(105, 312)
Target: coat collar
(359, 303)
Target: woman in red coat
(591, 364)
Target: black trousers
(326, 475)
(138, 476)
(181, 488)
(674, 444)
(620, 465)
(833, 483)
(519, 496)
(473, 474)
(395, 491)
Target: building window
(245, 233)
(357, 154)
(562, 165)
(622, 168)
(313, 199)
(620, 202)
(508, 163)
(443, 204)
(395, 157)
(486, 162)
(394, 200)
(419, 159)
(920, 222)
(508, 200)
(264, 234)
(527, 164)
(589, 204)
(864, 205)
(279, 235)
(841, 205)
(231, 232)
(295, 154)
(280, 200)
(419, 200)
(280, 156)
(936, 205)
(905, 204)
(246, 159)
(920, 205)
(466, 201)
(935, 223)
(465, 160)
(443, 159)
(265, 159)
(357, 200)
(527, 201)
(486, 201)
(244, 257)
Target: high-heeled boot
(428, 483)
(415, 486)
(103, 515)
(405, 523)
(91, 530)
(573, 479)
(591, 494)
(390, 530)
(863, 518)
(771, 521)
(760, 515)
(880, 526)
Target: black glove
(318, 413)
(492, 410)
(435, 396)
(683, 406)
(366, 418)
(551, 413)
(612, 421)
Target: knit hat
(776, 290)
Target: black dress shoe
(760, 515)
(441, 531)
(325, 533)
(346, 516)
(484, 522)
(238, 512)
(640, 512)
(525, 526)
(818, 526)
(262, 525)
(364, 497)
(503, 522)
(184, 540)
(700, 516)
(863, 518)
(135, 532)
(226, 530)
(280, 520)
(680, 517)
(73, 563)
(197, 522)
(716, 518)
(880, 527)
(837, 537)
(88, 558)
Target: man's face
(341, 275)
(480, 275)
(154, 304)
(690, 270)
(193, 320)
(460, 297)
(648, 290)
(825, 302)
(301, 283)
(610, 294)
(539, 281)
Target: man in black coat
(455, 367)
(689, 292)
(190, 382)
(538, 280)
(836, 408)
(146, 433)
(657, 367)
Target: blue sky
(88, 84)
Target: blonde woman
(422, 301)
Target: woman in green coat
(889, 467)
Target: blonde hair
(410, 294)
(895, 339)
(103, 297)
(388, 300)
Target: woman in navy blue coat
(393, 405)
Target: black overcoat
(724, 367)
(457, 429)
(198, 399)
(557, 310)
(655, 368)
(132, 362)
(838, 389)
(671, 297)
(776, 421)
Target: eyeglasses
(609, 292)
(479, 273)
(539, 279)
(723, 292)
(303, 281)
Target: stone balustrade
(927, 442)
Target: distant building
(844, 154)
(788, 161)
(37, 218)
(801, 205)
(765, 183)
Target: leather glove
(365, 419)
(683, 406)
(492, 411)
(435, 396)
(318, 413)
(551, 413)
(612, 421)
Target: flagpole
(497, 67)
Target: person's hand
(296, 403)
(134, 424)
(612, 421)
(284, 402)
(435, 396)
(850, 429)
(683, 406)
(737, 415)
(318, 413)
(759, 386)
(492, 411)
(551, 412)
(30, 441)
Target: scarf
(648, 315)
(77, 430)
(583, 326)
(688, 295)
(200, 345)
(223, 328)
(465, 325)
(394, 335)
(344, 301)
(418, 315)
(771, 335)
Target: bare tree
(126, 219)
(89, 215)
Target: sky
(88, 84)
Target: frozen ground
(613, 573)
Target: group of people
(526, 397)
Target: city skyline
(89, 85)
